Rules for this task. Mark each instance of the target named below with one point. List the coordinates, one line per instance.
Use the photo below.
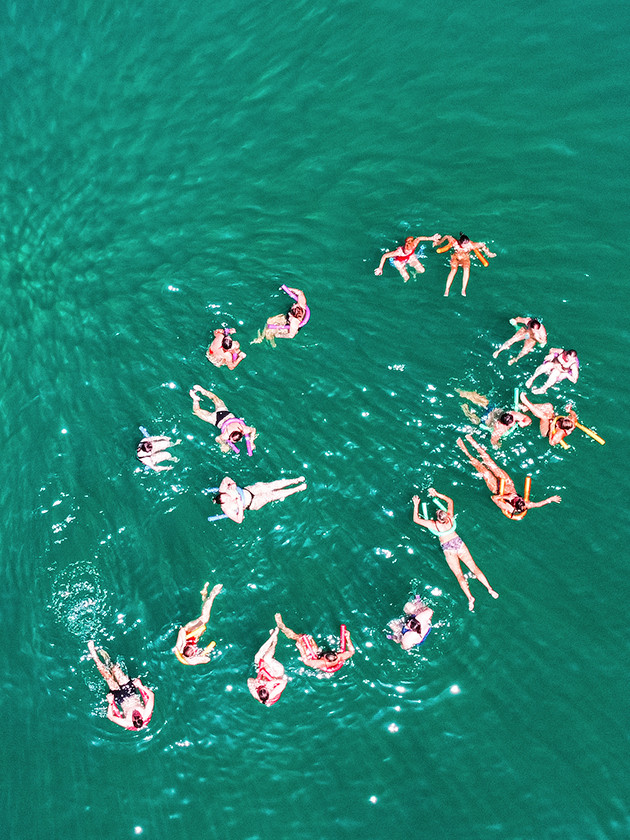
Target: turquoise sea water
(166, 167)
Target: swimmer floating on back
(454, 548)
(558, 364)
(130, 703)
(405, 255)
(152, 451)
(270, 681)
(235, 500)
(225, 350)
(232, 428)
(286, 326)
(498, 421)
(461, 257)
(415, 627)
(499, 483)
(531, 333)
(322, 659)
(186, 648)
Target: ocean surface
(166, 167)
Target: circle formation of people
(130, 703)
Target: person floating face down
(327, 661)
(224, 350)
(270, 680)
(187, 648)
(531, 333)
(129, 702)
(405, 256)
(509, 502)
(455, 550)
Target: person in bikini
(405, 255)
(286, 326)
(152, 451)
(235, 500)
(412, 630)
(553, 426)
(498, 421)
(558, 365)
(509, 502)
(322, 659)
(186, 648)
(129, 702)
(531, 333)
(454, 548)
(224, 350)
(233, 429)
(461, 257)
(270, 680)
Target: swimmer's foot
(495, 354)
(512, 361)
(204, 591)
(471, 603)
(493, 593)
(105, 657)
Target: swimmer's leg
(474, 397)
(286, 630)
(466, 558)
(278, 495)
(104, 670)
(518, 336)
(415, 263)
(527, 347)
(487, 474)
(268, 649)
(465, 279)
(449, 280)
(546, 367)
(453, 564)
(402, 271)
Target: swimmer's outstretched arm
(386, 256)
(426, 523)
(556, 499)
(481, 246)
(451, 507)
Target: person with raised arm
(270, 680)
(461, 257)
(405, 255)
(558, 364)
(129, 702)
(499, 483)
(187, 648)
(233, 429)
(553, 426)
(531, 333)
(454, 548)
(322, 659)
(224, 350)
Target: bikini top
(446, 533)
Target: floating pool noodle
(444, 249)
(307, 311)
(218, 516)
(564, 444)
(144, 431)
(517, 399)
(590, 433)
(440, 504)
(425, 511)
(501, 487)
(480, 257)
(343, 638)
(528, 487)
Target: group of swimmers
(130, 703)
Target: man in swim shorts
(130, 703)
(500, 422)
(405, 255)
(461, 257)
(412, 630)
(509, 502)
(186, 648)
(224, 350)
(152, 451)
(454, 548)
(558, 365)
(233, 429)
(531, 333)
(553, 426)
(270, 680)
(322, 659)
(235, 500)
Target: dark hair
(462, 238)
(263, 694)
(571, 352)
(217, 498)
(329, 655)
(441, 515)
(296, 311)
(190, 647)
(137, 719)
(227, 342)
(533, 323)
(235, 436)
(414, 624)
(565, 423)
(506, 418)
(146, 445)
(519, 504)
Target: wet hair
(414, 624)
(565, 423)
(297, 311)
(235, 436)
(227, 342)
(462, 238)
(506, 418)
(329, 655)
(146, 445)
(137, 719)
(189, 649)
(441, 515)
(263, 694)
(519, 504)
(570, 353)
(409, 239)
(217, 498)
(533, 323)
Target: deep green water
(165, 168)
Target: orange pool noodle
(528, 487)
(480, 257)
(443, 249)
